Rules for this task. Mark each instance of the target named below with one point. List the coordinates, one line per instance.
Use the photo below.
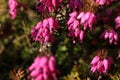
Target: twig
(26, 36)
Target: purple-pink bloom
(13, 4)
(95, 60)
(102, 66)
(106, 64)
(118, 57)
(47, 5)
(104, 2)
(87, 19)
(111, 35)
(73, 27)
(93, 68)
(43, 68)
(75, 4)
(117, 21)
(43, 31)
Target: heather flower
(75, 4)
(111, 35)
(87, 19)
(118, 57)
(95, 60)
(13, 4)
(73, 28)
(49, 5)
(43, 68)
(117, 21)
(102, 66)
(75, 21)
(44, 30)
(104, 2)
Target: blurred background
(17, 50)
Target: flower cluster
(84, 19)
(111, 34)
(44, 30)
(104, 2)
(73, 27)
(117, 21)
(49, 5)
(87, 19)
(13, 4)
(43, 68)
(75, 4)
(101, 65)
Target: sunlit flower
(13, 4)
(101, 65)
(118, 57)
(104, 2)
(43, 68)
(117, 21)
(44, 30)
(111, 35)
(87, 19)
(73, 27)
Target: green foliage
(17, 50)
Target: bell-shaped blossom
(95, 60)
(47, 5)
(111, 35)
(73, 27)
(13, 4)
(93, 69)
(87, 19)
(75, 4)
(104, 2)
(43, 31)
(43, 68)
(117, 21)
(118, 57)
(102, 66)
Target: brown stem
(26, 36)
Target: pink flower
(75, 4)
(104, 2)
(13, 4)
(49, 5)
(118, 57)
(43, 68)
(111, 35)
(93, 69)
(73, 27)
(117, 21)
(102, 66)
(44, 30)
(106, 64)
(87, 19)
(95, 60)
